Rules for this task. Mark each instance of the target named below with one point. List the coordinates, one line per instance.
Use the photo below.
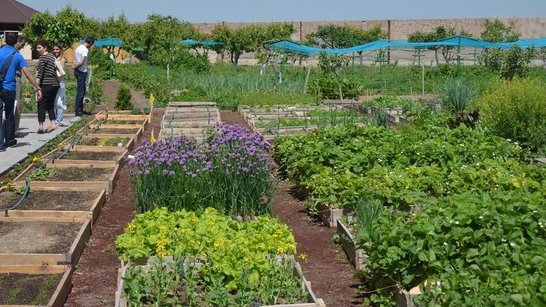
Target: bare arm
(32, 81)
(80, 63)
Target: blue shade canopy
(455, 41)
(105, 42)
(205, 43)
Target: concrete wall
(528, 27)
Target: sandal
(40, 131)
(51, 129)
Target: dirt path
(95, 278)
(110, 90)
(332, 276)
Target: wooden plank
(66, 163)
(120, 126)
(191, 103)
(123, 117)
(63, 289)
(107, 135)
(33, 269)
(32, 259)
(45, 216)
(356, 256)
(99, 148)
(79, 243)
(97, 206)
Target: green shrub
(456, 95)
(517, 110)
(123, 99)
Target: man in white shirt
(80, 72)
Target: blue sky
(295, 10)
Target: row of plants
(228, 171)
(315, 117)
(219, 262)
(459, 209)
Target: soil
(123, 122)
(27, 289)
(37, 237)
(113, 141)
(52, 200)
(79, 174)
(91, 155)
(331, 275)
(95, 278)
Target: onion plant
(228, 172)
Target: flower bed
(228, 172)
(217, 260)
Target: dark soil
(95, 278)
(331, 275)
(37, 237)
(116, 131)
(27, 289)
(52, 200)
(113, 141)
(79, 174)
(91, 155)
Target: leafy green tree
(439, 33)
(248, 38)
(334, 36)
(496, 31)
(161, 37)
(66, 27)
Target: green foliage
(334, 36)
(517, 110)
(249, 38)
(331, 84)
(66, 27)
(439, 33)
(101, 62)
(123, 101)
(482, 249)
(233, 255)
(496, 31)
(456, 96)
(198, 63)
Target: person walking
(60, 100)
(21, 42)
(47, 78)
(80, 72)
(10, 61)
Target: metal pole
(423, 80)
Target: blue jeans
(80, 90)
(7, 128)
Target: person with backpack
(10, 62)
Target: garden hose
(20, 201)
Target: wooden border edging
(71, 257)
(357, 256)
(329, 216)
(59, 296)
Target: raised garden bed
(119, 116)
(29, 242)
(52, 205)
(76, 155)
(35, 285)
(329, 216)
(80, 177)
(312, 300)
(126, 141)
(116, 131)
(356, 255)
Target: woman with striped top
(47, 78)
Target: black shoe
(2, 148)
(11, 143)
(78, 114)
(87, 113)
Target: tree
(439, 33)
(334, 36)
(65, 27)
(495, 31)
(249, 38)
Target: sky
(295, 10)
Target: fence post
(423, 80)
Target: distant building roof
(12, 11)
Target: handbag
(60, 69)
